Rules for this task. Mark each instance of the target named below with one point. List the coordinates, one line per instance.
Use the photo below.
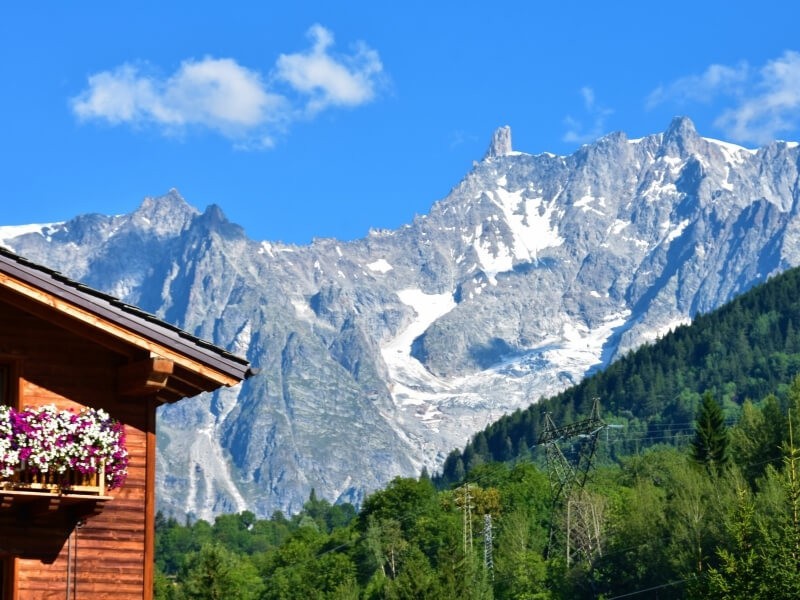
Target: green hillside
(746, 349)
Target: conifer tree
(710, 444)
(782, 544)
(740, 574)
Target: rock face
(379, 356)
(501, 143)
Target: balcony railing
(70, 482)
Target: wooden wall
(108, 553)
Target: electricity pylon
(488, 560)
(464, 502)
(568, 478)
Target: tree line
(748, 348)
(694, 492)
(715, 517)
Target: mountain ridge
(746, 349)
(378, 356)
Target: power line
(651, 589)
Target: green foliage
(174, 542)
(710, 444)
(409, 497)
(756, 440)
(746, 349)
(664, 527)
(241, 551)
(781, 532)
(164, 588)
(415, 580)
(520, 567)
(740, 575)
(216, 573)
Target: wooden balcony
(71, 482)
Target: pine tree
(710, 444)
(216, 573)
(740, 574)
(782, 544)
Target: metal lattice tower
(559, 471)
(583, 526)
(568, 477)
(465, 503)
(488, 560)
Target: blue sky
(326, 119)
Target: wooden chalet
(67, 345)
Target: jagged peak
(500, 144)
(682, 126)
(164, 215)
(680, 135)
(615, 137)
(214, 219)
(172, 201)
(214, 212)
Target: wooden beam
(41, 506)
(145, 377)
(160, 377)
(181, 382)
(84, 316)
(46, 313)
(150, 502)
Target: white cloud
(773, 109)
(588, 97)
(116, 96)
(716, 80)
(328, 80)
(762, 103)
(576, 131)
(224, 96)
(215, 93)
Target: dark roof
(125, 315)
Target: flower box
(70, 481)
(58, 451)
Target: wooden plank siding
(111, 552)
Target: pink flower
(54, 441)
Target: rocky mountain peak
(213, 219)
(500, 144)
(681, 137)
(379, 356)
(165, 215)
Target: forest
(671, 474)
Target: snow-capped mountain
(379, 356)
